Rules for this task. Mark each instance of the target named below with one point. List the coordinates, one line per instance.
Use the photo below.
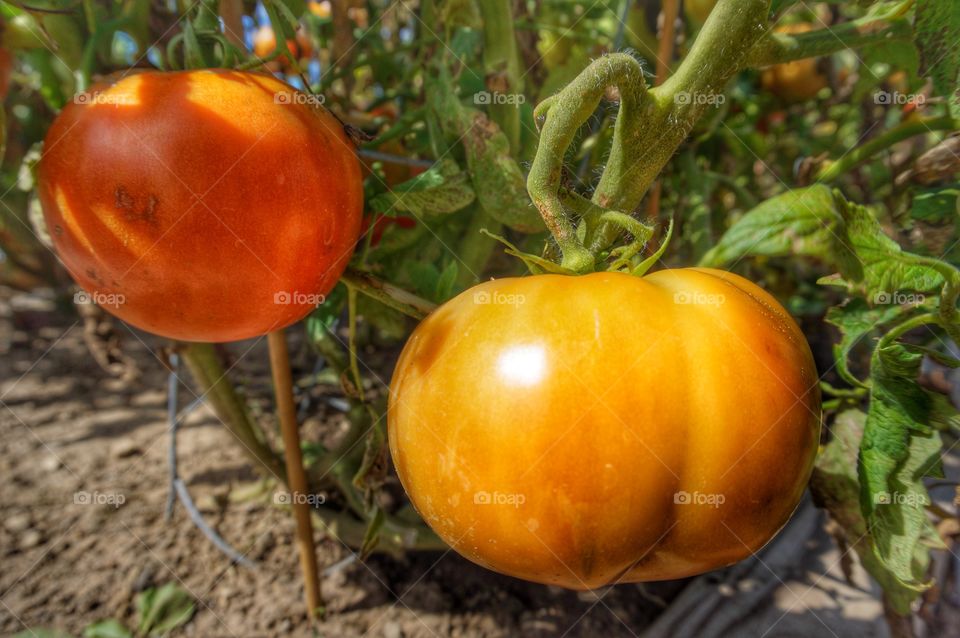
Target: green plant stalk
(476, 247)
(650, 125)
(906, 326)
(644, 142)
(948, 296)
(777, 48)
(501, 61)
(205, 368)
(562, 115)
(338, 467)
(387, 294)
(863, 153)
(653, 123)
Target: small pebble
(17, 522)
(50, 463)
(30, 538)
(124, 448)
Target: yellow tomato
(581, 431)
(794, 81)
(319, 9)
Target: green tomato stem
(778, 48)
(388, 294)
(501, 61)
(905, 130)
(564, 114)
(476, 247)
(205, 367)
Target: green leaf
(163, 610)
(372, 534)
(42, 633)
(805, 221)
(887, 268)
(898, 449)
(936, 205)
(498, 181)
(324, 318)
(855, 321)
(442, 189)
(648, 263)
(107, 629)
(836, 487)
(936, 32)
(816, 222)
(447, 282)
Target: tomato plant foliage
(501, 138)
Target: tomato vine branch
(387, 294)
(650, 125)
(777, 48)
(856, 157)
(205, 368)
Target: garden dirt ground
(68, 427)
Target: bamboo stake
(287, 413)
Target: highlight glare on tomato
(201, 205)
(582, 431)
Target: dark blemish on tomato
(92, 274)
(432, 344)
(124, 201)
(58, 229)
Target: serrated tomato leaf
(836, 487)
(805, 221)
(856, 320)
(899, 447)
(936, 32)
(442, 189)
(817, 222)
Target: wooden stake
(286, 411)
(668, 35)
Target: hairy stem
(645, 140)
(564, 114)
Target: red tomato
(201, 205)
(6, 67)
(581, 431)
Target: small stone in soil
(124, 448)
(17, 522)
(30, 538)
